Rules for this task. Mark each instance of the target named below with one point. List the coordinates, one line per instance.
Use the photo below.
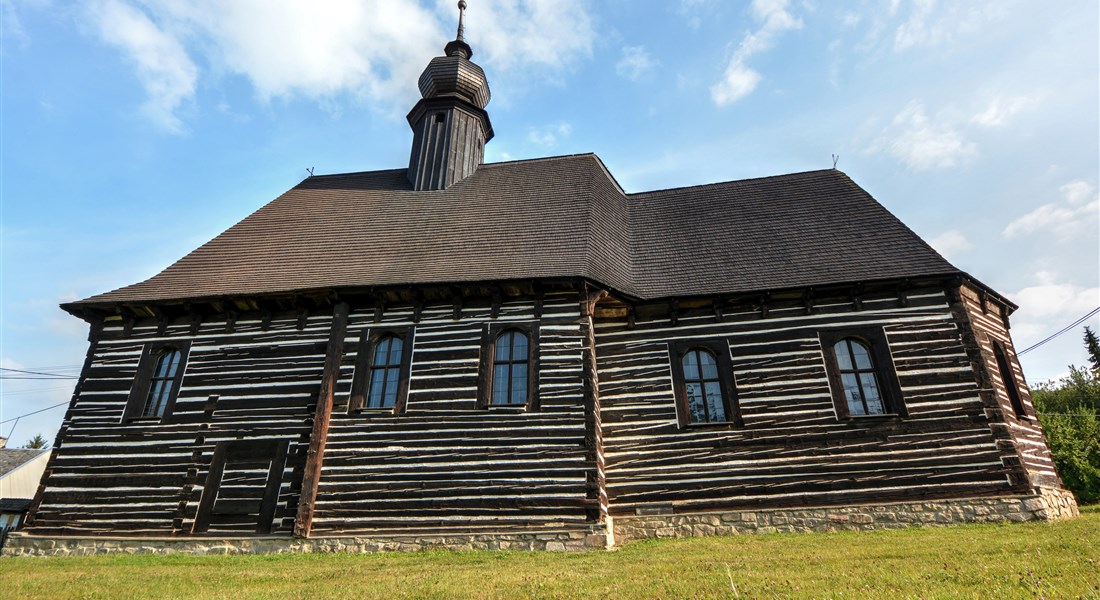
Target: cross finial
(461, 18)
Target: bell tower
(449, 123)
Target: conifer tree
(1093, 346)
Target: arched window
(1009, 381)
(702, 378)
(385, 372)
(703, 387)
(510, 362)
(859, 377)
(162, 382)
(382, 362)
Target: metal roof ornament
(459, 47)
(461, 19)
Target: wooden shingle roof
(551, 218)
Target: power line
(41, 391)
(1060, 332)
(35, 412)
(37, 378)
(36, 373)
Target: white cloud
(1048, 306)
(1000, 109)
(544, 35)
(634, 63)
(11, 26)
(550, 134)
(1078, 192)
(371, 50)
(163, 66)
(739, 79)
(1079, 212)
(951, 243)
(922, 143)
(929, 25)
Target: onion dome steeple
(450, 125)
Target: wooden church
(523, 355)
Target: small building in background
(20, 472)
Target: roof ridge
(719, 183)
(355, 173)
(537, 159)
(483, 165)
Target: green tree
(1092, 344)
(37, 442)
(1069, 410)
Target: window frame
(487, 362)
(882, 360)
(360, 383)
(138, 398)
(1008, 380)
(721, 349)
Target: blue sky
(132, 132)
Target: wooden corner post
(311, 477)
(596, 484)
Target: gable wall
(792, 449)
(1021, 438)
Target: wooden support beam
(903, 293)
(808, 301)
(765, 298)
(303, 523)
(127, 326)
(194, 320)
(265, 319)
(418, 305)
(456, 303)
(379, 309)
(595, 468)
(631, 317)
(497, 300)
(303, 316)
(719, 315)
(540, 295)
(673, 310)
(230, 321)
(857, 296)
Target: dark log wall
(445, 464)
(1021, 436)
(145, 477)
(792, 449)
(603, 438)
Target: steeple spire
(450, 125)
(459, 47)
(461, 18)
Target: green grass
(1029, 560)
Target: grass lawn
(1028, 560)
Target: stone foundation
(21, 544)
(1047, 505)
